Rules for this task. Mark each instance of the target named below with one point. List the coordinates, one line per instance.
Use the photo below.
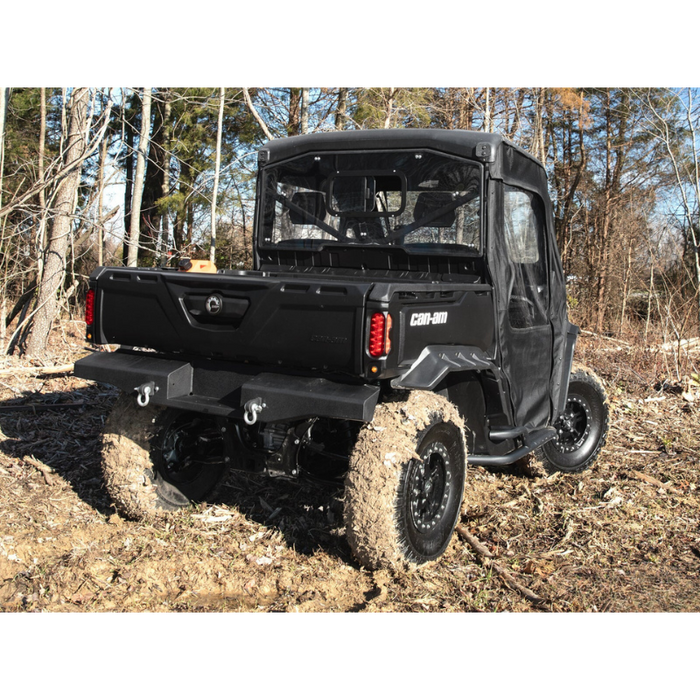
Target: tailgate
(314, 323)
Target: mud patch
(382, 450)
(126, 459)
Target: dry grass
(622, 536)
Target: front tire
(405, 483)
(160, 459)
(582, 429)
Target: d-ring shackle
(252, 409)
(145, 391)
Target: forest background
(145, 176)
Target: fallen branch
(685, 344)
(57, 369)
(484, 554)
(654, 481)
(477, 546)
(42, 406)
(45, 470)
(615, 341)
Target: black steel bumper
(222, 388)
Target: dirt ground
(623, 536)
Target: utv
(405, 317)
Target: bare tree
(65, 201)
(686, 171)
(487, 111)
(134, 225)
(537, 146)
(340, 114)
(164, 233)
(256, 114)
(217, 168)
(4, 99)
(304, 120)
(100, 202)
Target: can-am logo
(428, 319)
(214, 304)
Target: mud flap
(567, 362)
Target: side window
(523, 214)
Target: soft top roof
(507, 161)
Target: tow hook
(252, 409)
(145, 391)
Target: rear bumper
(223, 389)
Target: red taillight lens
(379, 342)
(90, 307)
(387, 335)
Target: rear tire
(583, 428)
(405, 483)
(160, 459)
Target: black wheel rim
(574, 426)
(429, 487)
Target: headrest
(312, 203)
(428, 202)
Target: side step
(533, 440)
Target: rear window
(415, 200)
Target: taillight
(90, 307)
(379, 341)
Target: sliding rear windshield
(417, 200)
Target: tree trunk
(565, 228)
(128, 136)
(613, 176)
(605, 225)
(695, 179)
(164, 221)
(4, 99)
(217, 167)
(603, 261)
(294, 111)
(650, 297)
(134, 224)
(66, 195)
(625, 288)
(537, 146)
(149, 224)
(389, 108)
(487, 111)
(342, 107)
(41, 233)
(100, 203)
(305, 110)
(466, 117)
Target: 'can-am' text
(428, 319)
